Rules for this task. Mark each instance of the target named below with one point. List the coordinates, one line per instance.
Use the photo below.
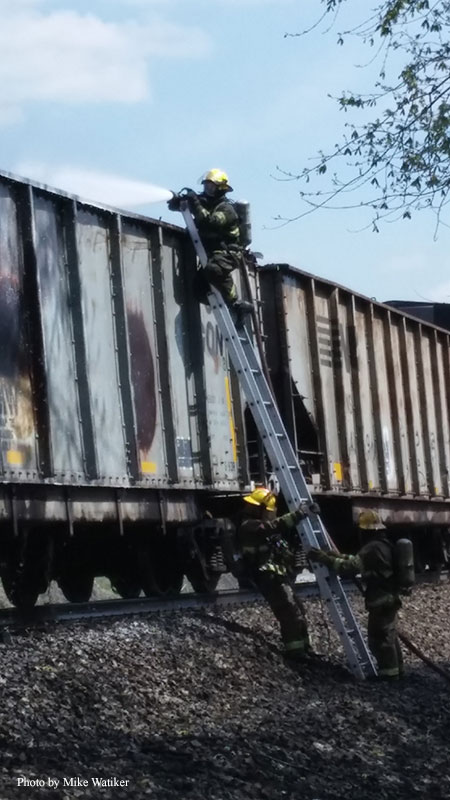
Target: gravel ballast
(202, 705)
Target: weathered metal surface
(110, 374)
(17, 425)
(66, 444)
(375, 381)
(97, 504)
(143, 352)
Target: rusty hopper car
(118, 414)
(365, 394)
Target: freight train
(125, 441)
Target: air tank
(245, 226)
(404, 563)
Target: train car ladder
(286, 467)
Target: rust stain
(143, 379)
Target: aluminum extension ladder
(286, 467)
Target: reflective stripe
(277, 569)
(393, 672)
(296, 644)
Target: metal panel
(418, 451)
(296, 322)
(94, 264)
(188, 453)
(329, 399)
(17, 425)
(219, 404)
(398, 408)
(340, 311)
(147, 393)
(442, 394)
(382, 413)
(430, 394)
(67, 455)
(68, 215)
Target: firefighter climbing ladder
(285, 466)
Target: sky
(102, 97)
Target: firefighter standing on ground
(375, 563)
(218, 227)
(263, 541)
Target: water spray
(98, 187)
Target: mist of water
(98, 187)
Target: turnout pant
(384, 642)
(217, 272)
(278, 592)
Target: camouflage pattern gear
(266, 544)
(268, 558)
(218, 227)
(280, 596)
(217, 222)
(375, 564)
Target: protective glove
(299, 513)
(314, 554)
(305, 509)
(192, 199)
(174, 202)
(317, 556)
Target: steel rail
(102, 609)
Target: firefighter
(375, 563)
(264, 545)
(218, 226)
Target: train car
(364, 391)
(125, 443)
(120, 420)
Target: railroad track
(118, 607)
(66, 612)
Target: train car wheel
(25, 571)
(201, 583)
(125, 587)
(21, 590)
(163, 581)
(161, 572)
(76, 586)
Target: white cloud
(99, 187)
(73, 58)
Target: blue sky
(162, 90)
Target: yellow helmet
(262, 497)
(219, 177)
(370, 521)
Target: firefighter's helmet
(219, 178)
(370, 521)
(262, 497)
